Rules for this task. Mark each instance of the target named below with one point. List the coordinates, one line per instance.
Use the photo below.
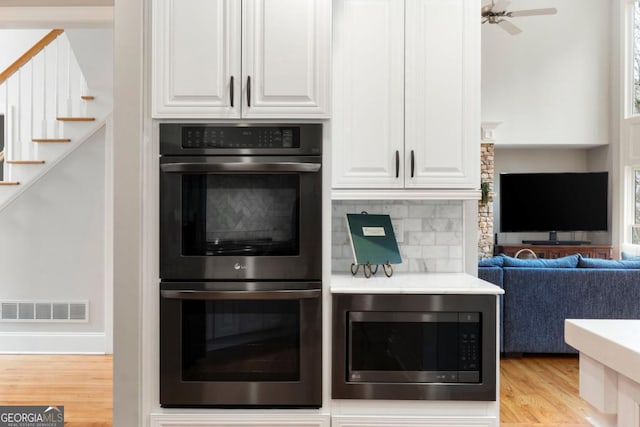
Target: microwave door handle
(239, 167)
(242, 295)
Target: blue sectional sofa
(541, 293)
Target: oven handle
(242, 295)
(239, 167)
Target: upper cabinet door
(442, 133)
(286, 58)
(368, 94)
(196, 58)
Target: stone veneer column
(485, 208)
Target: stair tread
(25, 162)
(9, 183)
(76, 119)
(51, 140)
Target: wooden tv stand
(558, 251)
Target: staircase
(48, 110)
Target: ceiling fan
(496, 13)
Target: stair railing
(41, 89)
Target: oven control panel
(240, 137)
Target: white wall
(550, 83)
(54, 247)
(13, 43)
(94, 51)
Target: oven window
(246, 340)
(235, 214)
(404, 346)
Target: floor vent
(27, 311)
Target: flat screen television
(573, 201)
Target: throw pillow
(629, 256)
(607, 263)
(495, 261)
(570, 261)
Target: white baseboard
(52, 343)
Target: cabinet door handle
(397, 163)
(248, 91)
(413, 163)
(231, 88)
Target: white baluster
(7, 135)
(18, 143)
(31, 149)
(43, 124)
(58, 123)
(69, 99)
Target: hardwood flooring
(534, 392)
(82, 384)
(541, 391)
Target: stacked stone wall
(485, 205)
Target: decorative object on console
(373, 243)
(525, 253)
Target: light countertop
(412, 283)
(612, 342)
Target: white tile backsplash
(432, 240)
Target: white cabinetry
(415, 421)
(406, 94)
(241, 59)
(241, 419)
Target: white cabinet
(241, 419)
(241, 59)
(406, 94)
(414, 421)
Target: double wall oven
(240, 265)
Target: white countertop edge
(613, 342)
(412, 283)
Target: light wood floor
(82, 384)
(534, 392)
(541, 391)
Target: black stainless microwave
(440, 347)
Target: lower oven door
(243, 344)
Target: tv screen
(574, 201)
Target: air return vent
(41, 311)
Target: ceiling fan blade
(532, 12)
(509, 27)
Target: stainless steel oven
(240, 265)
(241, 344)
(240, 202)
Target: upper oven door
(225, 218)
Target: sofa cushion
(496, 261)
(570, 261)
(608, 263)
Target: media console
(557, 251)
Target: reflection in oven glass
(404, 346)
(240, 341)
(240, 214)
